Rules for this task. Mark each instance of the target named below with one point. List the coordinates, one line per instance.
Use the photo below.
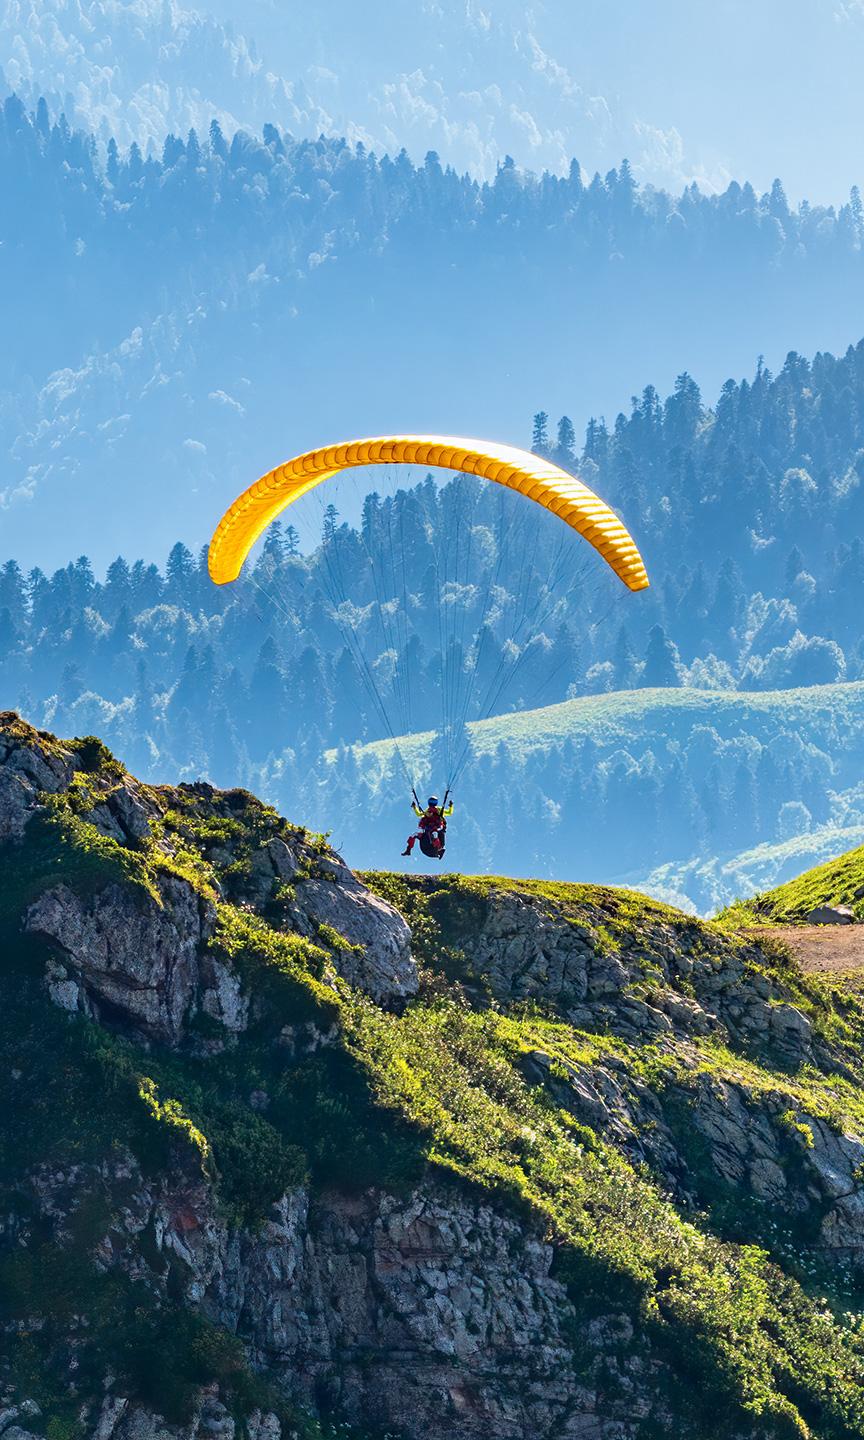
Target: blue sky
(686, 91)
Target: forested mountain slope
(750, 518)
(444, 1157)
(183, 322)
(472, 81)
(139, 71)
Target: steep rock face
(121, 1419)
(662, 979)
(378, 959)
(320, 890)
(136, 956)
(432, 1313)
(451, 1307)
(28, 768)
(147, 955)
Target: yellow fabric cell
(578, 507)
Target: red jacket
(434, 818)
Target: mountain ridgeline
(305, 1153)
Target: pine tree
(173, 150)
(857, 209)
(794, 566)
(540, 433)
(330, 524)
(624, 661)
(565, 450)
(268, 704)
(662, 665)
(43, 119)
(179, 571)
(778, 206)
(217, 141)
(9, 636)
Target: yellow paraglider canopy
(539, 480)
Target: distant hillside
(635, 714)
(698, 796)
(708, 883)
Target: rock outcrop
(139, 957)
(664, 976)
(29, 769)
(146, 955)
(323, 891)
(430, 1314)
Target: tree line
(750, 518)
(102, 233)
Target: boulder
(126, 813)
(831, 915)
(791, 1030)
(377, 958)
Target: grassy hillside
(818, 710)
(705, 885)
(837, 882)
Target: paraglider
(538, 479)
(470, 663)
(432, 830)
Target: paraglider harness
(432, 840)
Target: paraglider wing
(538, 479)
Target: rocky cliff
(285, 1150)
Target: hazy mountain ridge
(472, 83)
(219, 298)
(138, 71)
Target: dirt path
(834, 949)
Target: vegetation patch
(62, 849)
(837, 882)
(451, 1072)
